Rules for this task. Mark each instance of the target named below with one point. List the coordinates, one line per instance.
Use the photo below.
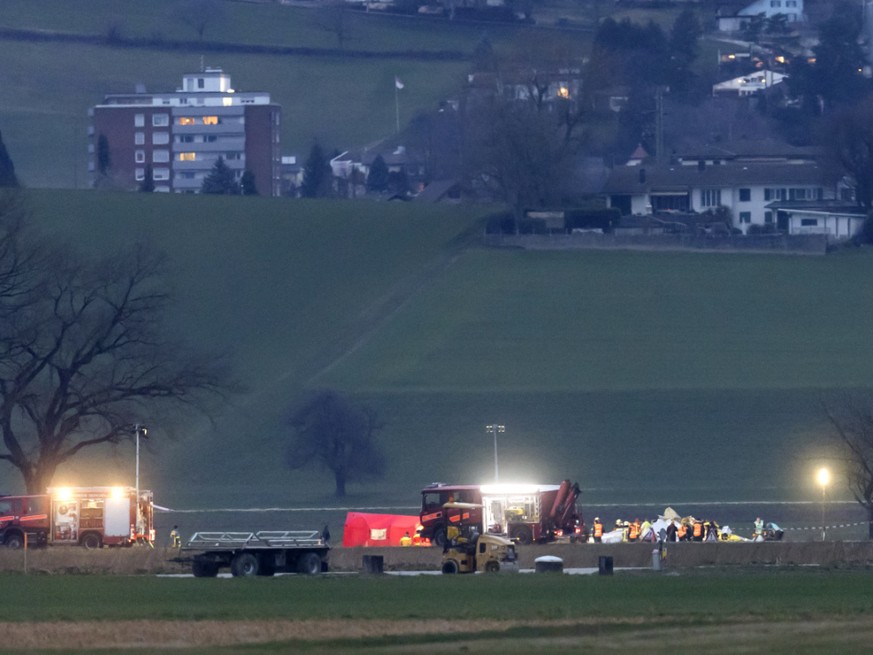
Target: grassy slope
(345, 102)
(714, 597)
(599, 364)
(775, 612)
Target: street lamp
(823, 477)
(139, 430)
(494, 429)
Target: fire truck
(527, 513)
(91, 517)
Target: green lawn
(649, 378)
(691, 597)
(777, 611)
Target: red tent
(377, 529)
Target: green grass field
(649, 378)
(779, 611)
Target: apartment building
(181, 135)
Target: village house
(743, 190)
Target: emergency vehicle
(88, 516)
(527, 513)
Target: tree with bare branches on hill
(851, 418)
(337, 435)
(84, 352)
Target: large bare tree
(84, 352)
(851, 418)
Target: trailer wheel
(439, 538)
(522, 534)
(14, 540)
(492, 566)
(91, 541)
(244, 565)
(309, 564)
(450, 567)
(202, 568)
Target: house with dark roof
(837, 219)
(743, 189)
(736, 15)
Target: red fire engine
(88, 516)
(526, 513)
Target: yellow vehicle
(488, 552)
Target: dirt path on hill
(368, 322)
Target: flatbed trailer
(257, 553)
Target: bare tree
(848, 146)
(519, 154)
(200, 14)
(851, 418)
(333, 17)
(83, 354)
(338, 436)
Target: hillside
(337, 96)
(657, 378)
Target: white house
(745, 190)
(747, 85)
(735, 17)
(838, 220)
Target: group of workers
(686, 529)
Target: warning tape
(830, 527)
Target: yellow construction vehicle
(487, 552)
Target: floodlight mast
(494, 428)
(139, 430)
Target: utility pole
(494, 429)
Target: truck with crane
(91, 517)
(526, 513)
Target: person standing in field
(175, 537)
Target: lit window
(139, 138)
(563, 92)
(139, 120)
(160, 120)
(160, 138)
(187, 156)
(187, 120)
(139, 156)
(227, 102)
(161, 174)
(161, 156)
(210, 120)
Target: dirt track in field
(182, 634)
(663, 635)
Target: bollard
(373, 564)
(604, 564)
(656, 559)
(548, 564)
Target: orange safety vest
(698, 529)
(683, 529)
(598, 530)
(633, 531)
